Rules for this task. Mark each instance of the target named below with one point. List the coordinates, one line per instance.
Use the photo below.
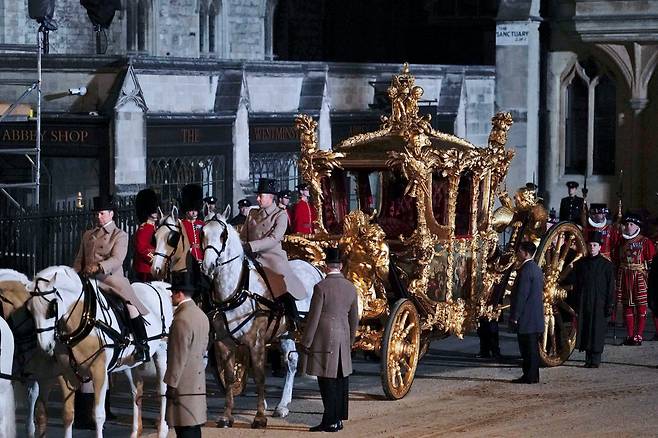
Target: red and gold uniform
(193, 232)
(635, 255)
(144, 251)
(610, 236)
(303, 218)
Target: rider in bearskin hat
(633, 257)
(191, 205)
(146, 209)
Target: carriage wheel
(560, 247)
(240, 369)
(400, 349)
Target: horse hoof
(224, 423)
(281, 412)
(259, 423)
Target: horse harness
(88, 321)
(262, 306)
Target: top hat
(244, 203)
(632, 217)
(191, 198)
(104, 202)
(181, 281)
(598, 208)
(284, 194)
(595, 236)
(332, 255)
(302, 186)
(572, 184)
(531, 186)
(210, 200)
(266, 185)
(146, 203)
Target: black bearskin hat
(191, 198)
(146, 203)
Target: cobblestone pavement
(453, 393)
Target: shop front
(184, 150)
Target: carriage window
(398, 215)
(483, 202)
(463, 208)
(440, 186)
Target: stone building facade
(169, 106)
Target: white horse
(59, 312)
(37, 371)
(224, 262)
(7, 406)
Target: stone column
(517, 84)
(128, 151)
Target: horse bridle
(223, 238)
(52, 305)
(173, 239)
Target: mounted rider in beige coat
(261, 235)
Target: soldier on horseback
(101, 254)
(262, 234)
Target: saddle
(118, 306)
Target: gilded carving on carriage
(414, 210)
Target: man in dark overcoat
(527, 311)
(330, 330)
(593, 279)
(186, 368)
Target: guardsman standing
(146, 207)
(261, 235)
(571, 207)
(243, 208)
(210, 203)
(330, 330)
(597, 221)
(191, 204)
(304, 214)
(633, 258)
(186, 366)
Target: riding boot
(141, 353)
(83, 406)
(290, 308)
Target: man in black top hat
(571, 207)
(593, 280)
(261, 235)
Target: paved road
(454, 393)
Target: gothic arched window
(140, 26)
(590, 120)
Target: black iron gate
(35, 239)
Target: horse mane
(12, 275)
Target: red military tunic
(303, 218)
(193, 233)
(610, 236)
(634, 257)
(144, 251)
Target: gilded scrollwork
(314, 163)
(367, 254)
(303, 248)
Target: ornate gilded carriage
(413, 212)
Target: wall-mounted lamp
(79, 201)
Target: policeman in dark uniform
(571, 207)
(210, 203)
(243, 209)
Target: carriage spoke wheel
(240, 371)
(400, 349)
(560, 247)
